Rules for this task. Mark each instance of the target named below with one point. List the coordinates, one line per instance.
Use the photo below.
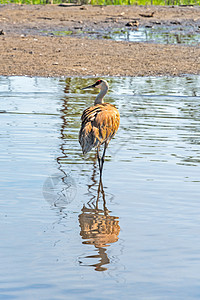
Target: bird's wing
(99, 125)
(107, 122)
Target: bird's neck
(99, 98)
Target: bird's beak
(89, 86)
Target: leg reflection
(98, 228)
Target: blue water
(140, 240)
(162, 35)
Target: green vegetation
(62, 33)
(107, 2)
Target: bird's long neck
(99, 98)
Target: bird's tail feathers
(88, 138)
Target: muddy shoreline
(29, 46)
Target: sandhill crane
(99, 123)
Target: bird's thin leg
(98, 194)
(102, 159)
(99, 158)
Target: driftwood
(148, 15)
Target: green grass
(145, 2)
(107, 2)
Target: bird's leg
(98, 194)
(99, 158)
(102, 159)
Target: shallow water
(160, 35)
(185, 35)
(141, 239)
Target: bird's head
(98, 84)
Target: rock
(83, 8)
(156, 22)
(175, 22)
(2, 32)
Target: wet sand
(28, 48)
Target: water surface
(160, 34)
(140, 240)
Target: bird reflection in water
(98, 227)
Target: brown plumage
(99, 123)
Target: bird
(134, 23)
(99, 123)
